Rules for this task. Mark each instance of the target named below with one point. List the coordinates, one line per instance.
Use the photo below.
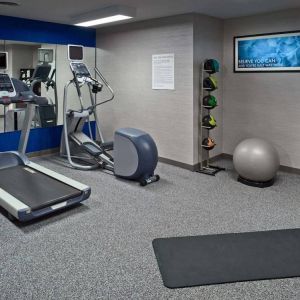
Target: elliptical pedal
(92, 149)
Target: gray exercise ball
(256, 160)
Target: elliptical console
(80, 70)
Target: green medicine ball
(209, 121)
(210, 83)
(211, 66)
(210, 101)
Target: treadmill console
(80, 69)
(7, 88)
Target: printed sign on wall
(163, 71)
(278, 52)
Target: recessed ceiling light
(103, 16)
(10, 3)
(103, 21)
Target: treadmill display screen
(3, 60)
(80, 69)
(6, 84)
(75, 52)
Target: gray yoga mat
(224, 258)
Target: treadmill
(28, 190)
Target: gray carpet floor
(103, 248)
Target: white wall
(265, 105)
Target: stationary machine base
(256, 183)
(151, 179)
(211, 170)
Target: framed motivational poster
(275, 52)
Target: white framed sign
(163, 77)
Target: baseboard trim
(289, 170)
(176, 163)
(195, 167)
(225, 155)
(172, 162)
(211, 159)
(187, 166)
(43, 152)
(282, 168)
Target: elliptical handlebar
(106, 84)
(82, 76)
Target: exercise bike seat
(92, 149)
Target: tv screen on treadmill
(3, 60)
(75, 52)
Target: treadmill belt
(35, 189)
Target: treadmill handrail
(17, 99)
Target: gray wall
(259, 104)
(124, 56)
(171, 117)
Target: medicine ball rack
(203, 151)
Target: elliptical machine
(135, 153)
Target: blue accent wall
(19, 29)
(39, 139)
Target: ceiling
(61, 11)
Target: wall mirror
(2, 48)
(34, 65)
(44, 70)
